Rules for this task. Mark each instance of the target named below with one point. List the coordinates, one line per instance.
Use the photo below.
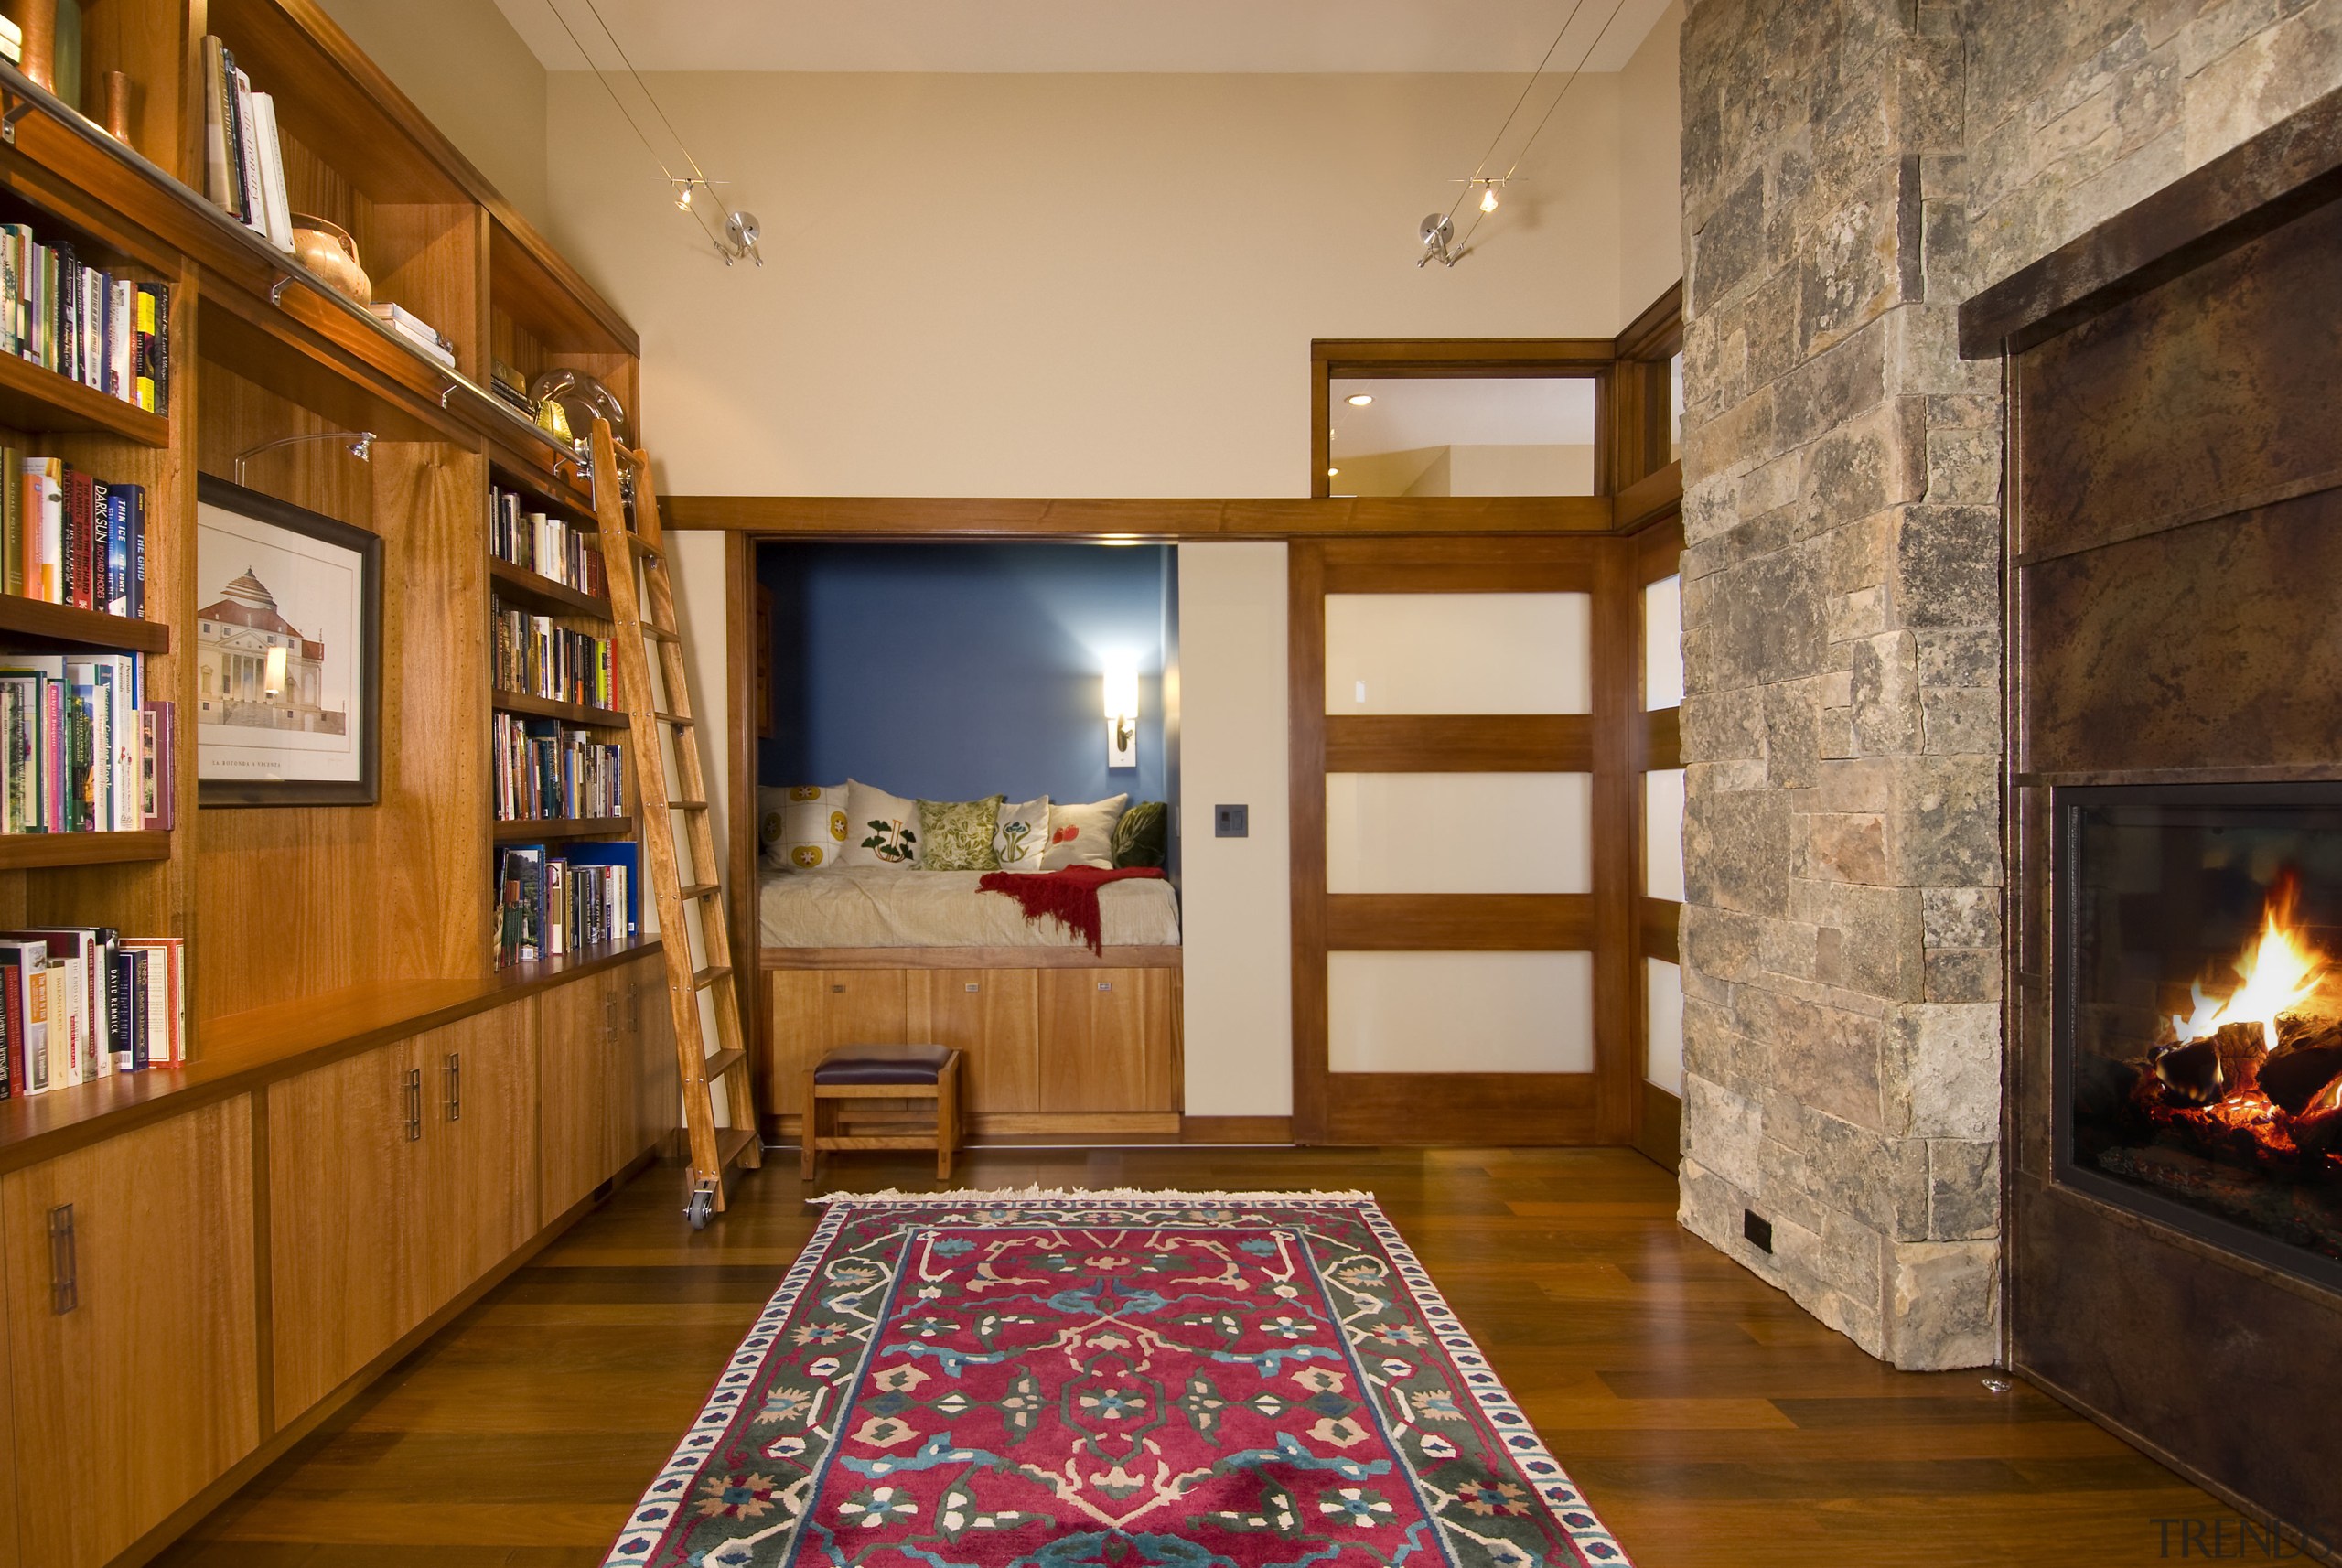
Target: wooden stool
(886, 1072)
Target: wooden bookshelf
(23, 852)
(539, 593)
(548, 829)
(24, 620)
(319, 938)
(568, 713)
(34, 398)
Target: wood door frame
(1600, 1106)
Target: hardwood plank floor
(1710, 1421)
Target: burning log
(2192, 1073)
(2294, 1079)
(2319, 1134)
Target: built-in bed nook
(966, 777)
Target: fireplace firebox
(2198, 1011)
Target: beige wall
(1060, 285)
(466, 69)
(1650, 167)
(1236, 894)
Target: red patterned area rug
(1124, 1379)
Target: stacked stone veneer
(1852, 172)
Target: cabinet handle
(414, 1105)
(1105, 985)
(454, 1086)
(609, 1020)
(64, 1283)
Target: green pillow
(956, 835)
(1143, 836)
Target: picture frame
(288, 651)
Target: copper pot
(327, 250)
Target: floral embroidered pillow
(880, 829)
(1022, 835)
(804, 826)
(1083, 835)
(956, 835)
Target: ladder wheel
(702, 1204)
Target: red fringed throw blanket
(1070, 894)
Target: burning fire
(2279, 973)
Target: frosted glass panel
(1459, 832)
(1664, 834)
(1663, 644)
(1460, 1012)
(1663, 1001)
(1457, 653)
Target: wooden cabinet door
(480, 1193)
(345, 1180)
(864, 1007)
(796, 1034)
(583, 1091)
(140, 1386)
(1107, 1040)
(648, 1034)
(994, 1016)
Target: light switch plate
(1231, 821)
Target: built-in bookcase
(261, 350)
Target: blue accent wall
(953, 671)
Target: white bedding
(886, 906)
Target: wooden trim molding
(1120, 518)
(1655, 498)
(1236, 1130)
(1658, 921)
(967, 958)
(1660, 1138)
(1658, 332)
(1662, 739)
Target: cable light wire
(1527, 88)
(1576, 71)
(601, 76)
(628, 60)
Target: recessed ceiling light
(1360, 399)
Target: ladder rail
(637, 572)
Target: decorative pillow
(956, 835)
(880, 829)
(1022, 835)
(1143, 836)
(1083, 835)
(803, 827)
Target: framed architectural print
(288, 653)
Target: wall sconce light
(1122, 717)
(359, 444)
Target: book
(154, 763)
(166, 997)
(626, 861)
(248, 176)
(272, 174)
(23, 970)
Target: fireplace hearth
(2199, 1013)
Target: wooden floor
(1709, 1420)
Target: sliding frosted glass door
(1462, 849)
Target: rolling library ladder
(643, 612)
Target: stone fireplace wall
(1852, 172)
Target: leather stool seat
(884, 1064)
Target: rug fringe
(1085, 1194)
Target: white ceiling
(1200, 35)
(1409, 415)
